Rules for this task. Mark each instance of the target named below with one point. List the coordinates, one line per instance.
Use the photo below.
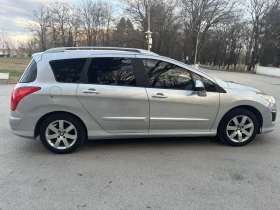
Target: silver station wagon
(67, 95)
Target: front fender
(235, 98)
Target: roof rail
(63, 49)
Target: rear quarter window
(30, 73)
(68, 70)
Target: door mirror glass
(199, 86)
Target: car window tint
(209, 85)
(30, 73)
(68, 70)
(167, 75)
(111, 71)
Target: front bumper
(269, 119)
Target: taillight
(20, 93)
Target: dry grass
(14, 66)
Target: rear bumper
(21, 126)
(24, 134)
(14, 121)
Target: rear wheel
(62, 133)
(238, 127)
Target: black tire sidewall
(229, 116)
(76, 122)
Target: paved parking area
(173, 173)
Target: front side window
(68, 70)
(111, 71)
(209, 85)
(167, 75)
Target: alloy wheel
(240, 128)
(61, 134)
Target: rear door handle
(159, 95)
(91, 91)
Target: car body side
(25, 120)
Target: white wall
(270, 71)
(4, 75)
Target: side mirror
(199, 87)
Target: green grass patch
(14, 66)
(13, 73)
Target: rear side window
(111, 71)
(30, 73)
(68, 70)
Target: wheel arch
(41, 120)
(254, 110)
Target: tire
(62, 133)
(229, 131)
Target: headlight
(269, 98)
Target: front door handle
(91, 91)
(159, 95)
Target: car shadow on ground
(127, 144)
(166, 142)
(150, 143)
(111, 145)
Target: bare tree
(257, 9)
(200, 15)
(3, 40)
(109, 18)
(74, 23)
(270, 42)
(9, 45)
(6, 43)
(95, 16)
(61, 15)
(209, 31)
(165, 22)
(39, 23)
(29, 46)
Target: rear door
(111, 92)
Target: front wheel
(238, 127)
(62, 133)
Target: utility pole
(196, 45)
(149, 33)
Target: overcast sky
(14, 13)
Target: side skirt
(103, 135)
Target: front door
(111, 93)
(175, 106)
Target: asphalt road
(174, 173)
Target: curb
(245, 72)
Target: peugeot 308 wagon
(67, 95)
